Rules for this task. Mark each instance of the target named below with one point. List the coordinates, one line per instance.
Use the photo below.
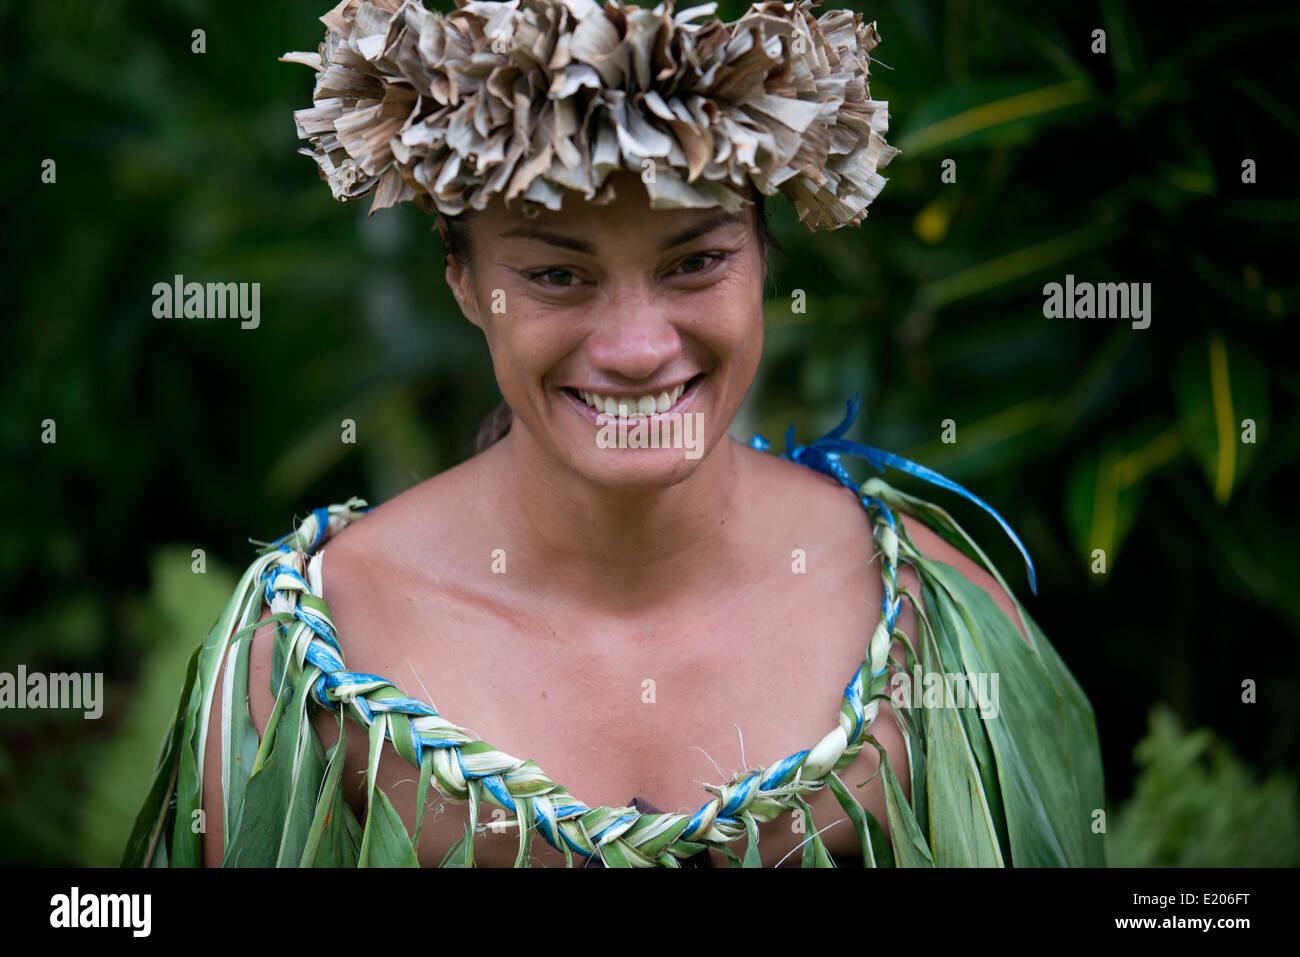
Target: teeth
(628, 406)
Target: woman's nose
(635, 338)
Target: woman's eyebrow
(706, 225)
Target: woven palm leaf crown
(532, 98)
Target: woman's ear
(458, 278)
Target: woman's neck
(612, 550)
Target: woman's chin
(636, 470)
(633, 457)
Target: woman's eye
(691, 265)
(540, 277)
(704, 259)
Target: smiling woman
(455, 232)
(636, 620)
(623, 303)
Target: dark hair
(457, 246)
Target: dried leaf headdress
(530, 98)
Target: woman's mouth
(631, 407)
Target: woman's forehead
(591, 234)
(629, 200)
(583, 225)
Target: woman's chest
(615, 712)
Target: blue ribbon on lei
(824, 455)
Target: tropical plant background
(1085, 434)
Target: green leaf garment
(1019, 785)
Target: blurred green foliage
(1197, 805)
(1123, 166)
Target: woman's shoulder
(792, 501)
(408, 552)
(824, 505)
(430, 513)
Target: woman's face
(654, 314)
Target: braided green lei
(1022, 786)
